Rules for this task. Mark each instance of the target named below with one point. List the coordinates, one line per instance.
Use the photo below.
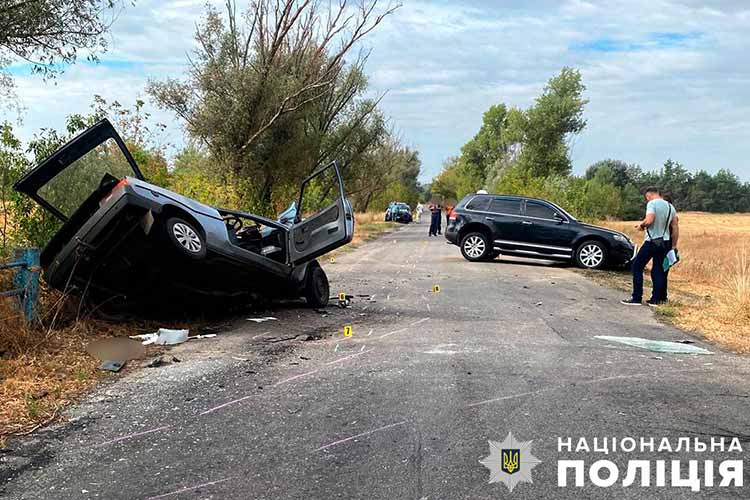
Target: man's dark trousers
(649, 252)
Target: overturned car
(125, 243)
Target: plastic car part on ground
(262, 320)
(163, 336)
(656, 345)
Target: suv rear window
(535, 209)
(479, 203)
(505, 206)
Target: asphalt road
(404, 408)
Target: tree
(51, 33)
(556, 115)
(266, 87)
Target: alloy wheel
(591, 255)
(187, 237)
(474, 247)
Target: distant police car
(485, 226)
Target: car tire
(475, 247)
(591, 254)
(186, 238)
(317, 289)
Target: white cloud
(665, 78)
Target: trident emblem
(511, 461)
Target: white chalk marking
(345, 440)
(419, 321)
(134, 435)
(370, 332)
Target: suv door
(504, 218)
(324, 219)
(545, 230)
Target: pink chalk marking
(224, 405)
(392, 333)
(188, 488)
(134, 435)
(348, 357)
(340, 441)
(295, 377)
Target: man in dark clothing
(434, 219)
(656, 224)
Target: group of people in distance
(436, 211)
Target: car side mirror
(559, 218)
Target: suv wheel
(475, 247)
(317, 289)
(591, 255)
(186, 238)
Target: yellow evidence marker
(347, 330)
(332, 260)
(435, 288)
(342, 296)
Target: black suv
(485, 225)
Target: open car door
(324, 219)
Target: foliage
(525, 152)
(51, 33)
(271, 96)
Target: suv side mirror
(559, 218)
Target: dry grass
(711, 284)
(43, 369)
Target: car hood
(604, 230)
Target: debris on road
(112, 366)
(656, 345)
(163, 336)
(162, 360)
(262, 320)
(117, 348)
(200, 337)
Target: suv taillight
(453, 215)
(118, 186)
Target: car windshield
(70, 188)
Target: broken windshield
(71, 187)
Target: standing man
(659, 215)
(674, 233)
(420, 209)
(434, 219)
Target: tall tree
(265, 84)
(556, 116)
(51, 33)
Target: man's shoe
(631, 302)
(655, 303)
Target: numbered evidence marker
(347, 330)
(435, 288)
(342, 297)
(332, 260)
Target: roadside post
(25, 282)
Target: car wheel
(317, 289)
(591, 255)
(186, 238)
(475, 247)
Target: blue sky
(664, 78)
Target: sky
(665, 79)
